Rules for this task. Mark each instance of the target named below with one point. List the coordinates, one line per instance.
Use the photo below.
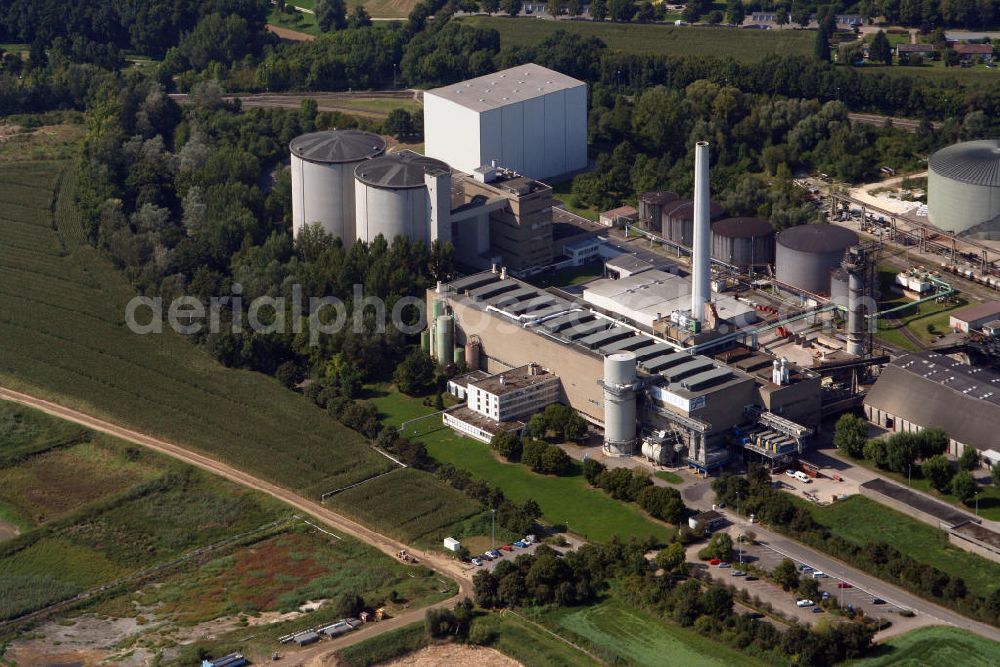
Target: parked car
(805, 568)
(826, 595)
(818, 574)
(714, 561)
(496, 554)
(844, 584)
(817, 610)
(878, 601)
(804, 603)
(739, 573)
(519, 544)
(486, 557)
(507, 547)
(477, 562)
(751, 578)
(790, 473)
(724, 565)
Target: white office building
(503, 401)
(530, 119)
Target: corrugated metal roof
(742, 228)
(403, 169)
(337, 146)
(657, 364)
(625, 345)
(977, 312)
(652, 351)
(817, 238)
(706, 379)
(687, 369)
(975, 162)
(584, 329)
(492, 289)
(474, 281)
(934, 390)
(569, 319)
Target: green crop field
(408, 504)
(62, 325)
(568, 500)
(743, 45)
(979, 76)
(624, 635)
(862, 521)
(530, 644)
(935, 646)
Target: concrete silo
(403, 194)
(678, 220)
(619, 403)
(963, 188)
(323, 166)
(806, 255)
(743, 242)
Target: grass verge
(934, 646)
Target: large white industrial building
(530, 119)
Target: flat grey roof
(492, 289)
(687, 369)
(581, 330)
(505, 87)
(536, 303)
(657, 364)
(402, 169)
(706, 379)
(629, 263)
(474, 281)
(519, 294)
(626, 344)
(337, 146)
(600, 338)
(652, 351)
(569, 319)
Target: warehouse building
(973, 318)
(687, 402)
(646, 297)
(530, 119)
(918, 391)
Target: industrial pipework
(701, 272)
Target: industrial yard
(290, 384)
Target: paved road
(908, 124)
(439, 563)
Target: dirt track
(388, 545)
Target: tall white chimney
(701, 272)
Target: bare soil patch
(455, 655)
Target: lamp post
(493, 528)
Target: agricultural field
(623, 635)
(62, 311)
(978, 76)
(55, 139)
(95, 510)
(408, 504)
(567, 501)
(530, 644)
(861, 520)
(384, 647)
(743, 45)
(934, 646)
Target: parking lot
(823, 490)
(571, 544)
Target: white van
(802, 477)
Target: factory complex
(739, 353)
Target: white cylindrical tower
(701, 272)
(323, 166)
(619, 403)
(392, 197)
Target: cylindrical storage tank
(619, 403)
(444, 333)
(437, 309)
(458, 355)
(651, 207)
(473, 349)
(678, 220)
(838, 287)
(432, 330)
(391, 197)
(323, 166)
(963, 186)
(425, 341)
(806, 255)
(743, 242)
